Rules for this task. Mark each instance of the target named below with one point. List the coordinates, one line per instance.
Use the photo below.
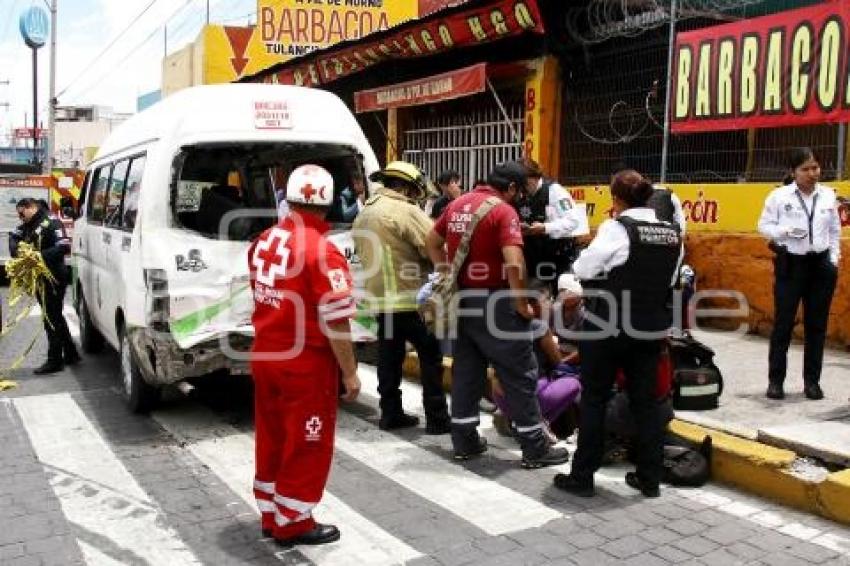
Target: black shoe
(321, 534)
(552, 457)
(813, 391)
(438, 426)
(49, 367)
(477, 451)
(72, 359)
(634, 482)
(575, 486)
(396, 421)
(268, 533)
(774, 391)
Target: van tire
(91, 339)
(140, 396)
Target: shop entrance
(469, 135)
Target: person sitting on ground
(558, 386)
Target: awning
(437, 88)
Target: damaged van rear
(169, 207)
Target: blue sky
(85, 27)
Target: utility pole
(208, 12)
(50, 150)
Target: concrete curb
(747, 464)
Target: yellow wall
(714, 208)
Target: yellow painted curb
(748, 465)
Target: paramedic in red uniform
(302, 306)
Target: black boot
(393, 421)
(320, 534)
(48, 367)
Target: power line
(106, 49)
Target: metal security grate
(469, 136)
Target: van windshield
(235, 191)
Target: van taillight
(156, 282)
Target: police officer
(389, 236)
(801, 219)
(302, 308)
(628, 271)
(493, 303)
(48, 236)
(548, 215)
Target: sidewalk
(810, 428)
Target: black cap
(504, 174)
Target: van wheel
(90, 338)
(140, 396)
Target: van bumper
(163, 362)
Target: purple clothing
(554, 395)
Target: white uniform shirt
(610, 247)
(561, 213)
(783, 212)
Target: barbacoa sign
(787, 69)
(475, 26)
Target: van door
(109, 270)
(89, 242)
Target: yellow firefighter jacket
(389, 237)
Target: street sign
(34, 25)
(27, 133)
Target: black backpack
(697, 381)
(686, 467)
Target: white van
(168, 209)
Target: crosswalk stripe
(230, 455)
(486, 504)
(96, 492)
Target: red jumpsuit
(300, 281)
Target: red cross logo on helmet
(309, 192)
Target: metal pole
(665, 146)
(504, 112)
(164, 42)
(35, 106)
(842, 148)
(50, 160)
(208, 12)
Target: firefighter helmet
(310, 184)
(412, 175)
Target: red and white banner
(445, 86)
(787, 69)
(491, 21)
(26, 133)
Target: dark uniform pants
(58, 336)
(513, 360)
(295, 404)
(810, 279)
(600, 360)
(394, 331)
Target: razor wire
(603, 20)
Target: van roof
(236, 111)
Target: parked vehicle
(169, 206)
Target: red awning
(437, 88)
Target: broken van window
(232, 191)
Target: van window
(117, 183)
(245, 182)
(97, 202)
(131, 193)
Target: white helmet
(310, 184)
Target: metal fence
(469, 136)
(613, 115)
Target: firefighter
(302, 309)
(47, 235)
(389, 236)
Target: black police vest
(641, 286)
(661, 202)
(543, 249)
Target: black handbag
(697, 381)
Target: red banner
(786, 69)
(26, 133)
(445, 86)
(492, 21)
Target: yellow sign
(289, 28)
(708, 207)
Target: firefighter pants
(295, 419)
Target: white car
(168, 209)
